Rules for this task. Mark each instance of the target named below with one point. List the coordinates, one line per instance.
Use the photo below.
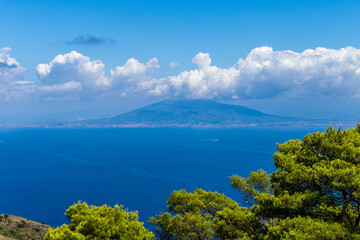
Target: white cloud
(205, 82)
(12, 85)
(133, 71)
(134, 76)
(21, 83)
(73, 67)
(174, 64)
(17, 92)
(67, 87)
(74, 72)
(265, 73)
(10, 69)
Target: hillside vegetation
(14, 227)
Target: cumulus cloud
(266, 73)
(174, 64)
(12, 85)
(90, 40)
(131, 77)
(10, 69)
(75, 73)
(73, 67)
(133, 71)
(263, 74)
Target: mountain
(192, 113)
(188, 113)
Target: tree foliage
(238, 223)
(317, 181)
(92, 222)
(202, 215)
(307, 228)
(256, 184)
(5, 216)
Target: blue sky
(112, 32)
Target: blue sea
(44, 171)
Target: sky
(68, 60)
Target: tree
(201, 215)
(92, 222)
(238, 223)
(257, 183)
(5, 216)
(317, 184)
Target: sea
(44, 171)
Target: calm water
(44, 171)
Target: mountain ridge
(185, 112)
(193, 113)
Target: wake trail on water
(220, 146)
(137, 171)
(52, 153)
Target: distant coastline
(75, 125)
(188, 114)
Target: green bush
(20, 225)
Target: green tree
(5, 216)
(201, 215)
(238, 223)
(257, 183)
(92, 222)
(317, 184)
